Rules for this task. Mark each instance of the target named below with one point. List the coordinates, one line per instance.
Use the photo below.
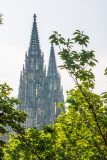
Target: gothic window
(25, 81)
(35, 120)
(55, 86)
(32, 64)
(37, 65)
(30, 122)
(31, 76)
(31, 90)
(39, 101)
(25, 93)
(27, 110)
(49, 95)
(55, 107)
(36, 91)
(30, 113)
(50, 86)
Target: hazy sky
(64, 16)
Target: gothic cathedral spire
(34, 47)
(39, 93)
(52, 70)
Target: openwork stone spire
(52, 70)
(34, 47)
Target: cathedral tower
(39, 93)
(55, 89)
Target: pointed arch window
(36, 91)
(50, 86)
(32, 63)
(55, 107)
(55, 86)
(31, 89)
(37, 65)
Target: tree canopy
(10, 118)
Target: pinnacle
(52, 70)
(34, 17)
(34, 39)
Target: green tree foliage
(1, 19)
(9, 116)
(80, 132)
(34, 144)
(90, 108)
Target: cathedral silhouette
(39, 92)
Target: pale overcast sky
(64, 16)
